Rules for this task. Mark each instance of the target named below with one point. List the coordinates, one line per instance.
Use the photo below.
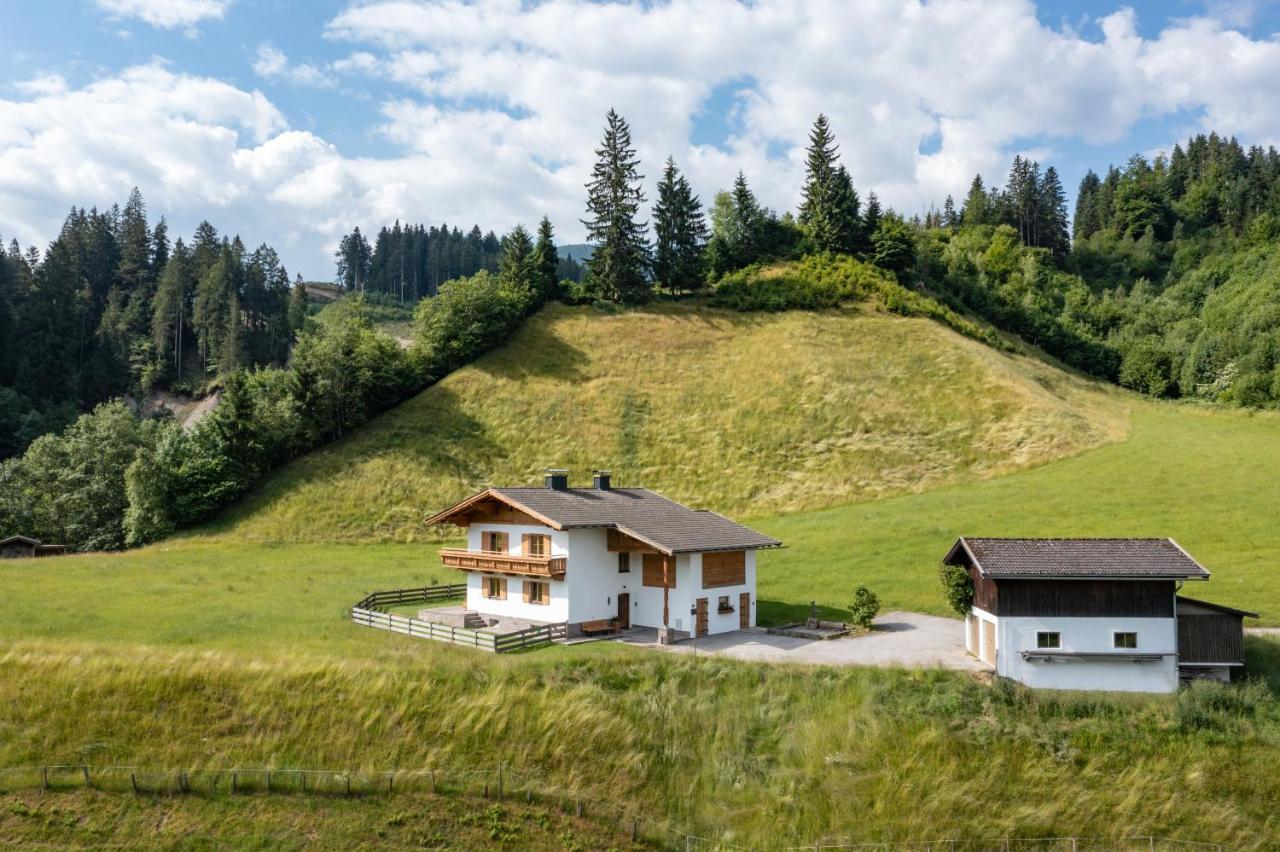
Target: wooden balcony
(551, 567)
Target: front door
(701, 623)
(624, 611)
(744, 610)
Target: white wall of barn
(1090, 635)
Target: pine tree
(516, 269)
(1051, 211)
(818, 217)
(974, 211)
(950, 218)
(546, 262)
(680, 232)
(297, 305)
(354, 259)
(871, 219)
(845, 208)
(1086, 221)
(614, 196)
(172, 308)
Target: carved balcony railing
(551, 567)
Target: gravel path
(897, 639)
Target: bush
(865, 606)
(957, 585)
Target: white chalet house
(604, 558)
(1099, 614)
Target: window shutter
(502, 544)
(526, 546)
(525, 588)
(502, 589)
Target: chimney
(557, 479)
(602, 480)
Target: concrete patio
(896, 639)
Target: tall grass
(741, 413)
(756, 755)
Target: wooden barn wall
(1087, 598)
(1210, 638)
(986, 595)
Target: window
(624, 563)
(495, 588)
(536, 592)
(1047, 639)
(1124, 640)
(724, 606)
(493, 542)
(536, 545)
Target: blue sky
(291, 122)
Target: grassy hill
(750, 414)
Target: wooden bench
(602, 625)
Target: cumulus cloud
(272, 64)
(167, 14)
(498, 105)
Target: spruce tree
(620, 259)
(871, 219)
(974, 211)
(546, 263)
(680, 233)
(829, 209)
(1051, 210)
(516, 269)
(172, 309)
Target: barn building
(21, 546)
(1102, 614)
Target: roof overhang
(22, 538)
(447, 516)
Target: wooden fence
(368, 613)
(426, 594)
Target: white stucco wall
(1090, 635)
(514, 606)
(592, 584)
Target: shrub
(865, 606)
(957, 585)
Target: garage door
(989, 642)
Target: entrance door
(744, 610)
(973, 635)
(701, 623)
(624, 611)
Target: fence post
(635, 831)
(1152, 840)
(348, 783)
(45, 773)
(85, 767)
(433, 782)
(233, 782)
(499, 780)
(268, 780)
(133, 779)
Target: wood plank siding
(653, 571)
(724, 569)
(1085, 598)
(1215, 638)
(985, 594)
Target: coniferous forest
(1165, 280)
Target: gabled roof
(1243, 613)
(638, 512)
(1078, 558)
(22, 538)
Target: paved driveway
(897, 639)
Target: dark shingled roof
(641, 513)
(1120, 558)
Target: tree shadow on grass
(543, 353)
(1262, 661)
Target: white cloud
(501, 105)
(272, 64)
(167, 14)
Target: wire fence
(501, 783)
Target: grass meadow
(231, 648)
